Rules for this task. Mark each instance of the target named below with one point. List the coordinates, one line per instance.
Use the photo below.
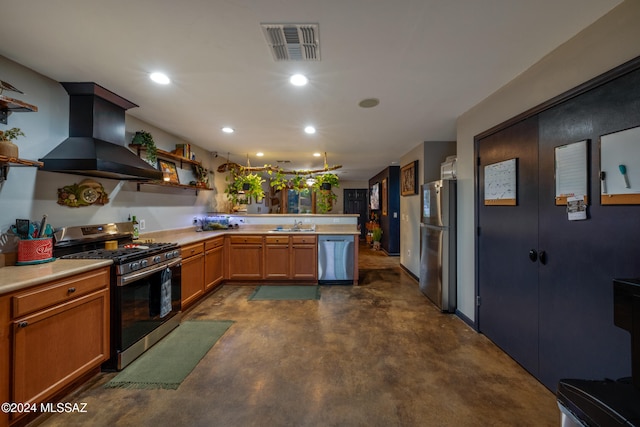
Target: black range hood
(95, 146)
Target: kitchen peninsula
(259, 249)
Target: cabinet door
(245, 258)
(507, 277)
(55, 346)
(305, 262)
(304, 258)
(214, 267)
(192, 279)
(276, 257)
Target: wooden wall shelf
(10, 105)
(19, 162)
(165, 154)
(171, 185)
(5, 162)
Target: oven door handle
(128, 278)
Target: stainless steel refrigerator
(438, 243)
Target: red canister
(35, 251)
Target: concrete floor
(379, 354)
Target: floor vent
(293, 42)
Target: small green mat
(167, 364)
(271, 293)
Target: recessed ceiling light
(259, 154)
(310, 130)
(160, 78)
(317, 154)
(227, 129)
(369, 102)
(298, 80)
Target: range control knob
(144, 263)
(134, 266)
(157, 259)
(168, 255)
(176, 254)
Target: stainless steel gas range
(145, 285)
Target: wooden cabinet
(60, 332)
(192, 273)
(304, 257)
(245, 257)
(213, 262)
(276, 257)
(283, 257)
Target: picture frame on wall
(409, 179)
(374, 198)
(169, 171)
(383, 196)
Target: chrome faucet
(297, 224)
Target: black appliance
(608, 402)
(145, 285)
(95, 146)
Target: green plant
(10, 134)
(235, 185)
(325, 197)
(376, 234)
(145, 139)
(279, 181)
(202, 174)
(327, 178)
(298, 183)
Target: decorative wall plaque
(86, 193)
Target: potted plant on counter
(7, 147)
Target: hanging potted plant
(145, 139)
(244, 185)
(279, 182)
(298, 183)
(324, 196)
(252, 186)
(7, 147)
(326, 180)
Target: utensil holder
(35, 251)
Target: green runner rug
(167, 364)
(263, 293)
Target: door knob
(533, 255)
(543, 257)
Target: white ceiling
(428, 61)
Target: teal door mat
(275, 293)
(167, 364)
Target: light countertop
(18, 277)
(14, 278)
(189, 235)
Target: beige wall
(609, 42)
(410, 216)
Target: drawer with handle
(192, 250)
(59, 292)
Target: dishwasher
(335, 259)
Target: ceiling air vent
(293, 42)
